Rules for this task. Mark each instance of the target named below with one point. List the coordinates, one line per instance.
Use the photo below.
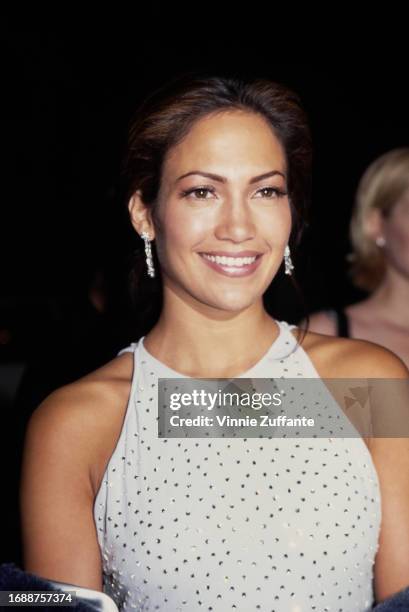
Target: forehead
(231, 140)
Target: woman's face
(395, 230)
(234, 213)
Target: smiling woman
(242, 214)
(281, 177)
(217, 180)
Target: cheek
(398, 235)
(183, 231)
(275, 225)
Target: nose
(235, 222)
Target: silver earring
(287, 259)
(380, 241)
(148, 253)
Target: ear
(140, 214)
(373, 224)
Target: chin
(233, 304)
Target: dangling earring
(380, 241)
(148, 253)
(287, 259)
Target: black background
(68, 92)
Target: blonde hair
(381, 186)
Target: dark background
(68, 92)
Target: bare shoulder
(335, 357)
(88, 413)
(68, 438)
(321, 322)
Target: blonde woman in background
(379, 233)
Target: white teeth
(230, 261)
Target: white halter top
(276, 525)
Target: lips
(233, 254)
(237, 265)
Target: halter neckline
(283, 344)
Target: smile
(232, 266)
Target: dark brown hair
(165, 117)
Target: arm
(56, 494)
(391, 459)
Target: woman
(217, 173)
(380, 259)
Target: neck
(197, 338)
(391, 298)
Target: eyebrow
(222, 179)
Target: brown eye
(273, 190)
(199, 190)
